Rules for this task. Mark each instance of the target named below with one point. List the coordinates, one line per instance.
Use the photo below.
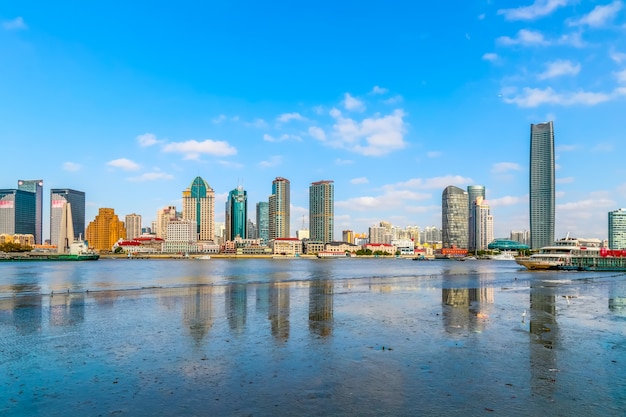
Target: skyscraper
(263, 221)
(164, 216)
(321, 211)
(17, 212)
(279, 209)
(105, 230)
(541, 190)
(236, 214)
(474, 192)
(35, 186)
(133, 226)
(454, 215)
(58, 197)
(482, 224)
(199, 205)
(617, 229)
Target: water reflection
(67, 309)
(198, 312)
(544, 335)
(235, 304)
(465, 308)
(278, 313)
(321, 307)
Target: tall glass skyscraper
(454, 215)
(236, 217)
(541, 188)
(321, 211)
(263, 221)
(35, 186)
(474, 192)
(58, 198)
(617, 229)
(279, 209)
(199, 205)
(17, 212)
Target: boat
(78, 251)
(503, 256)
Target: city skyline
(393, 102)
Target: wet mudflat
(347, 337)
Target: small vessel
(503, 256)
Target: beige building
(164, 216)
(105, 230)
(199, 205)
(133, 226)
(289, 246)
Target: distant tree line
(14, 247)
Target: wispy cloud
(508, 201)
(434, 154)
(567, 148)
(621, 76)
(599, 16)
(192, 149)
(565, 180)
(379, 90)
(219, 119)
(147, 139)
(359, 180)
(286, 117)
(152, 176)
(272, 162)
(490, 56)
(502, 167)
(604, 147)
(539, 8)
(434, 183)
(123, 163)
(15, 24)
(559, 68)
(72, 166)
(257, 123)
(340, 161)
(317, 133)
(352, 103)
(524, 37)
(617, 56)
(534, 97)
(281, 138)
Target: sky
(393, 101)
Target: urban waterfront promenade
(342, 337)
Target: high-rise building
(347, 236)
(105, 230)
(133, 226)
(541, 190)
(164, 216)
(253, 232)
(58, 198)
(199, 205)
(321, 211)
(263, 221)
(473, 192)
(35, 186)
(454, 215)
(617, 229)
(482, 226)
(236, 214)
(279, 209)
(17, 212)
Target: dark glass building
(541, 189)
(454, 217)
(236, 214)
(58, 198)
(473, 192)
(263, 221)
(35, 186)
(17, 212)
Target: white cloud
(192, 149)
(616, 56)
(374, 136)
(317, 133)
(603, 147)
(123, 163)
(559, 68)
(394, 100)
(599, 16)
(524, 37)
(539, 8)
(533, 97)
(152, 176)
(281, 138)
(72, 166)
(566, 148)
(621, 76)
(147, 139)
(219, 119)
(565, 180)
(343, 161)
(352, 103)
(379, 90)
(257, 123)
(508, 201)
(15, 24)
(434, 154)
(286, 117)
(436, 182)
(490, 56)
(272, 162)
(502, 167)
(359, 180)
(230, 164)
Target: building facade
(454, 217)
(164, 216)
(279, 209)
(482, 225)
(473, 192)
(105, 230)
(17, 212)
(199, 205)
(263, 221)
(35, 186)
(617, 229)
(237, 214)
(182, 236)
(58, 198)
(541, 187)
(322, 210)
(133, 226)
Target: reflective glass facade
(17, 212)
(454, 217)
(321, 211)
(474, 192)
(541, 189)
(617, 229)
(199, 205)
(263, 221)
(237, 214)
(35, 186)
(58, 197)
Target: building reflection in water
(24, 313)
(67, 309)
(235, 303)
(321, 307)
(278, 312)
(198, 311)
(543, 332)
(465, 310)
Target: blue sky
(393, 101)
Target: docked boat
(78, 251)
(503, 256)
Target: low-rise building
(289, 246)
(341, 247)
(382, 247)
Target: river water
(298, 337)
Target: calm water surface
(353, 337)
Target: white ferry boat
(559, 255)
(503, 256)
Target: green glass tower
(236, 214)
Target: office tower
(541, 188)
(482, 224)
(454, 215)
(164, 216)
(253, 232)
(105, 230)
(199, 205)
(58, 198)
(236, 214)
(321, 211)
(473, 192)
(617, 229)
(17, 212)
(279, 209)
(35, 186)
(133, 226)
(263, 221)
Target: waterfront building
(279, 209)
(105, 230)
(236, 214)
(303, 234)
(199, 205)
(58, 198)
(432, 234)
(617, 229)
(541, 189)
(454, 215)
(347, 236)
(182, 236)
(164, 216)
(17, 212)
(35, 186)
(321, 210)
(263, 221)
(377, 234)
(289, 246)
(404, 246)
(473, 192)
(482, 226)
(133, 226)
